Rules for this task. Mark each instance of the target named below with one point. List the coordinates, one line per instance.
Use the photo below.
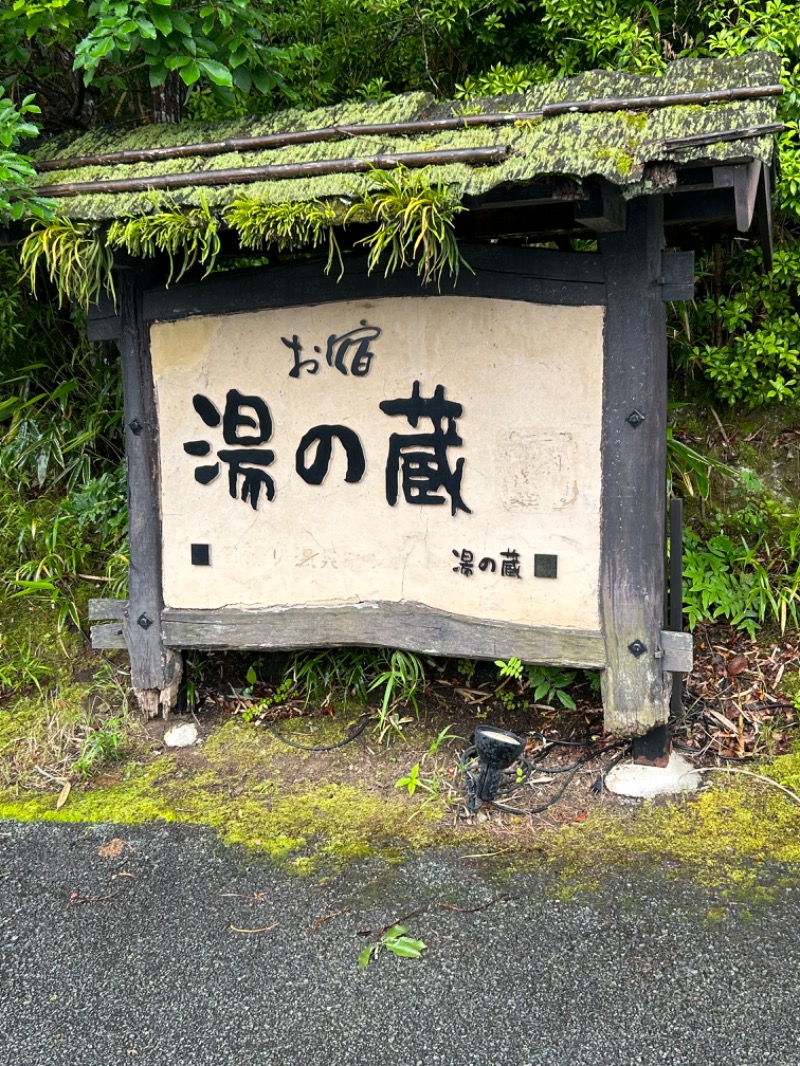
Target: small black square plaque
(201, 555)
(545, 566)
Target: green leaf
(157, 75)
(181, 24)
(654, 15)
(406, 947)
(146, 28)
(242, 79)
(102, 47)
(162, 22)
(190, 73)
(262, 81)
(176, 62)
(364, 956)
(217, 73)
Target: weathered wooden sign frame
(631, 277)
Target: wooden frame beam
(155, 670)
(635, 687)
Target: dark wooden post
(635, 687)
(155, 670)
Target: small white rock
(181, 736)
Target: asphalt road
(135, 958)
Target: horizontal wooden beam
(107, 610)
(433, 632)
(108, 637)
(712, 206)
(743, 133)
(498, 271)
(411, 626)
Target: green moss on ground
(239, 789)
(248, 789)
(726, 838)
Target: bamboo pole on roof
(335, 132)
(280, 171)
(697, 140)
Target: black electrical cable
(599, 784)
(572, 769)
(317, 747)
(543, 807)
(559, 743)
(312, 747)
(517, 781)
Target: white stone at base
(644, 782)
(181, 736)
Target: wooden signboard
(474, 472)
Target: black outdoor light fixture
(496, 749)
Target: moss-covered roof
(617, 145)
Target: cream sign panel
(443, 451)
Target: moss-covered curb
(241, 788)
(237, 789)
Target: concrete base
(644, 782)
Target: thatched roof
(586, 128)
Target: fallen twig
(725, 436)
(746, 773)
(262, 929)
(75, 899)
(474, 910)
(326, 918)
(378, 933)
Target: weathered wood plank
(501, 273)
(677, 647)
(153, 669)
(678, 651)
(107, 610)
(635, 687)
(411, 626)
(103, 329)
(109, 636)
(763, 216)
(713, 205)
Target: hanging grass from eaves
(412, 218)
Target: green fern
(415, 224)
(77, 259)
(191, 232)
(289, 227)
